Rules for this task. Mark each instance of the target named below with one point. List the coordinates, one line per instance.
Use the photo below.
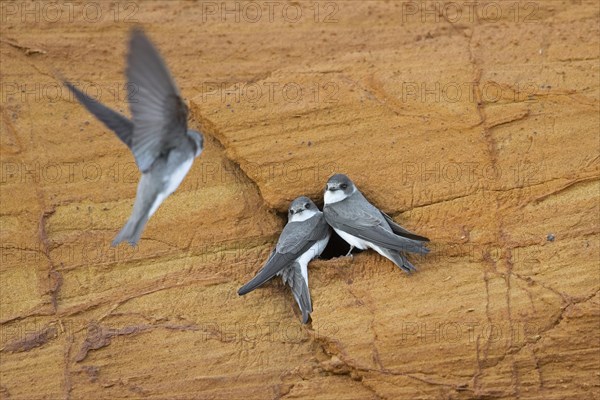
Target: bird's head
(338, 188)
(301, 209)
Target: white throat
(302, 216)
(336, 196)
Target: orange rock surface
(476, 126)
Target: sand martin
(158, 136)
(303, 238)
(364, 226)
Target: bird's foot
(349, 254)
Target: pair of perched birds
(307, 232)
(164, 149)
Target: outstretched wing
(295, 239)
(159, 114)
(113, 120)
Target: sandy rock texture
(475, 124)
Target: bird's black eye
(291, 211)
(307, 206)
(344, 186)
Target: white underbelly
(157, 202)
(172, 184)
(177, 177)
(353, 240)
(360, 243)
(314, 251)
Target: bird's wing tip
(305, 317)
(244, 290)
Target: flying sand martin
(158, 136)
(364, 226)
(303, 238)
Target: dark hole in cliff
(337, 247)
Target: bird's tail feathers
(412, 246)
(294, 279)
(132, 231)
(399, 259)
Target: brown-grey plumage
(363, 225)
(302, 239)
(163, 147)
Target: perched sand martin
(303, 238)
(364, 226)
(163, 146)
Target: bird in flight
(157, 134)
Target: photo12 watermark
(467, 332)
(67, 172)
(461, 12)
(32, 12)
(325, 12)
(22, 91)
(271, 92)
(471, 92)
(89, 252)
(521, 174)
(292, 171)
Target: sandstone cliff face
(477, 129)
